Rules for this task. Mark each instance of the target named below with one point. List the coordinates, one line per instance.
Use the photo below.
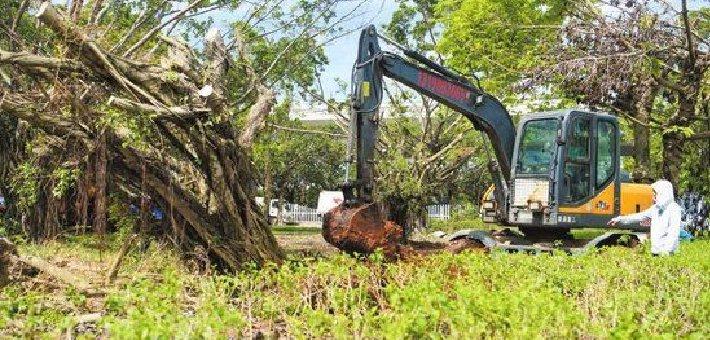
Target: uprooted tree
(147, 116)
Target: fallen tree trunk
(55, 272)
(9, 258)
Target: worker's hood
(664, 193)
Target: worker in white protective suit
(665, 215)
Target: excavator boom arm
(485, 112)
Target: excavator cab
(567, 173)
(566, 170)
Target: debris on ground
(458, 245)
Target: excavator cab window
(606, 152)
(537, 147)
(577, 168)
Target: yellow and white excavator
(555, 171)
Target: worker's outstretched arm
(633, 218)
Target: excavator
(555, 171)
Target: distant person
(665, 216)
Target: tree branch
(698, 136)
(26, 59)
(20, 12)
(159, 112)
(688, 34)
(49, 16)
(157, 28)
(95, 10)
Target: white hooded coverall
(665, 216)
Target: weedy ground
(611, 293)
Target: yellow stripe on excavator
(634, 198)
(601, 204)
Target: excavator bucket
(362, 228)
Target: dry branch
(157, 28)
(308, 131)
(26, 59)
(159, 112)
(257, 116)
(127, 242)
(266, 98)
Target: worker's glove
(613, 221)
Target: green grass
(615, 292)
(295, 230)
(455, 224)
(587, 233)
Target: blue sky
(341, 52)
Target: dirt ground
(305, 244)
(308, 241)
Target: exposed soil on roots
(363, 229)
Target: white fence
(300, 214)
(439, 211)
